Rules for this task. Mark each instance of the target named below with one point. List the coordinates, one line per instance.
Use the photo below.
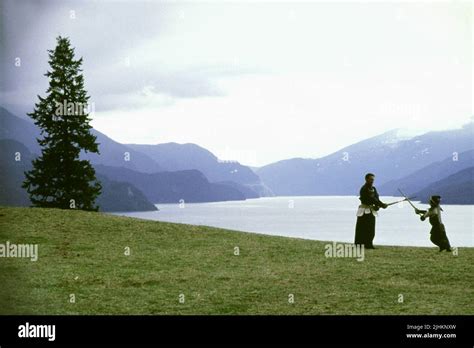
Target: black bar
(350, 330)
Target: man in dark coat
(438, 231)
(370, 204)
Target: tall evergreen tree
(59, 179)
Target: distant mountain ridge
(457, 188)
(12, 170)
(111, 152)
(115, 196)
(174, 157)
(121, 197)
(231, 181)
(342, 172)
(16, 128)
(170, 172)
(425, 176)
(171, 187)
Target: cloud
(276, 79)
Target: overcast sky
(251, 81)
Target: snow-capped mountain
(390, 156)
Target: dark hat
(435, 200)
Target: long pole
(407, 199)
(402, 200)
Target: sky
(253, 81)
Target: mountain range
(16, 159)
(390, 157)
(135, 176)
(173, 187)
(123, 170)
(425, 176)
(175, 157)
(457, 188)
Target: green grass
(82, 253)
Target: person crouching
(438, 231)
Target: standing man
(370, 203)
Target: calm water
(320, 218)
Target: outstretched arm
(377, 200)
(371, 198)
(425, 213)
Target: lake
(330, 218)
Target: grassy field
(83, 254)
